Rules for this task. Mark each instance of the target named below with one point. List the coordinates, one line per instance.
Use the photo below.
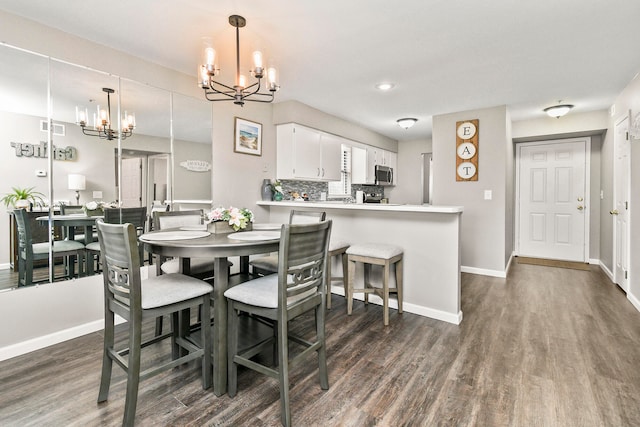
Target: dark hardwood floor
(545, 347)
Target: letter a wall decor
(467, 150)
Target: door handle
(580, 208)
(614, 212)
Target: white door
(132, 182)
(620, 211)
(552, 194)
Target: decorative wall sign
(467, 150)
(248, 137)
(40, 151)
(196, 165)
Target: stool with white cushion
(337, 247)
(389, 257)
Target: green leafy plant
(29, 194)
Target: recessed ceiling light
(385, 86)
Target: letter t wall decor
(467, 150)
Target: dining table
(69, 223)
(197, 242)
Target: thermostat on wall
(41, 173)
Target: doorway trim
(587, 194)
(623, 282)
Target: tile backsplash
(313, 189)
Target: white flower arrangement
(238, 218)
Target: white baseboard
(51, 339)
(606, 270)
(420, 310)
(39, 343)
(635, 301)
(484, 271)
(5, 266)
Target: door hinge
(626, 274)
(626, 135)
(626, 205)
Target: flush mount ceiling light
(406, 122)
(102, 121)
(385, 86)
(240, 91)
(558, 111)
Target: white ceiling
(443, 55)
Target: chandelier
(240, 91)
(102, 121)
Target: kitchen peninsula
(429, 235)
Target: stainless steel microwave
(384, 175)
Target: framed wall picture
(248, 137)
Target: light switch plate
(41, 173)
(488, 194)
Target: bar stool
(337, 247)
(375, 254)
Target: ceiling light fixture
(558, 111)
(385, 86)
(102, 121)
(406, 122)
(239, 92)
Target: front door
(620, 212)
(552, 208)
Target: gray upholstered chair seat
(335, 244)
(267, 263)
(198, 265)
(375, 250)
(168, 289)
(58, 246)
(262, 292)
(93, 246)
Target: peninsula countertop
(389, 207)
(428, 235)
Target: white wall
(409, 172)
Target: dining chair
(269, 264)
(28, 252)
(298, 288)
(200, 267)
(136, 300)
(136, 216)
(74, 210)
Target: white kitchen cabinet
(364, 160)
(307, 154)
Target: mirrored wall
(161, 161)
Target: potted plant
(22, 197)
(222, 220)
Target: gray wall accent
(484, 222)
(409, 172)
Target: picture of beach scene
(248, 137)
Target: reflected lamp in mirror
(77, 182)
(102, 121)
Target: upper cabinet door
(307, 154)
(331, 157)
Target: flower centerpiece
(223, 220)
(94, 208)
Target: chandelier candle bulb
(272, 75)
(242, 81)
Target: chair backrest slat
(302, 257)
(173, 219)
(306, 217)
(120, 261)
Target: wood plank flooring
(545, 347)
